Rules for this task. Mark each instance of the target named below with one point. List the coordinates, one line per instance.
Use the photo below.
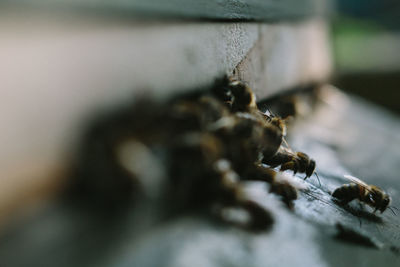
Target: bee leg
(296, 167)
(362, 208)
(316, 174)
(259, 173)
(391, 209)
(260, 218)
(286, 191)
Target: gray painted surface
(260, 10)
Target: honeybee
(277, 121)
(231, 195)
(237, 95)
(194, 114)
(279, 184)
(280, 124)
(247, 138)
(242, 102)
(371, 195)
(286, 190)
(298, 162)
(201, 177)
(243, 97)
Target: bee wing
(357, 181)
(286, 150)
(268, 114)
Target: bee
(298, 162)
(202, 178)
(233, 196)
(371, 195)
(247, 138)
(194, 114)
(237, 95)
(243, 97)
(277, 121)
(280, 125)
(279, 184)
(287, 106)
(286, 191)
(275, 137)
(242, 102)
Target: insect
(245, 137)
(241, 100)
(194, 114)
(286, 190)
(298, 162)
(205, 145)
(200, 177)
(371, 195)
(237, 95)
(277, 121)
(243, 97)
(279, 184)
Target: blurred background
(366, 44)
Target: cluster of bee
(206, 145)
(195, 151)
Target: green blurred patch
(367, 61)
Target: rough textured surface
(275, 61)
(345, 135)
(57, 70)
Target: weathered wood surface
(345, 136)
(247, 10)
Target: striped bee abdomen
(278, 159)
(347, 192)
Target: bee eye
(371, 198)
(386, 201)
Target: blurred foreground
(344, 135)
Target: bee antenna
(286, 143)
(316, 174)
(393, 207)
(392, 210)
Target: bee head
(378, 198)
(385, 203)
(310, 168)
